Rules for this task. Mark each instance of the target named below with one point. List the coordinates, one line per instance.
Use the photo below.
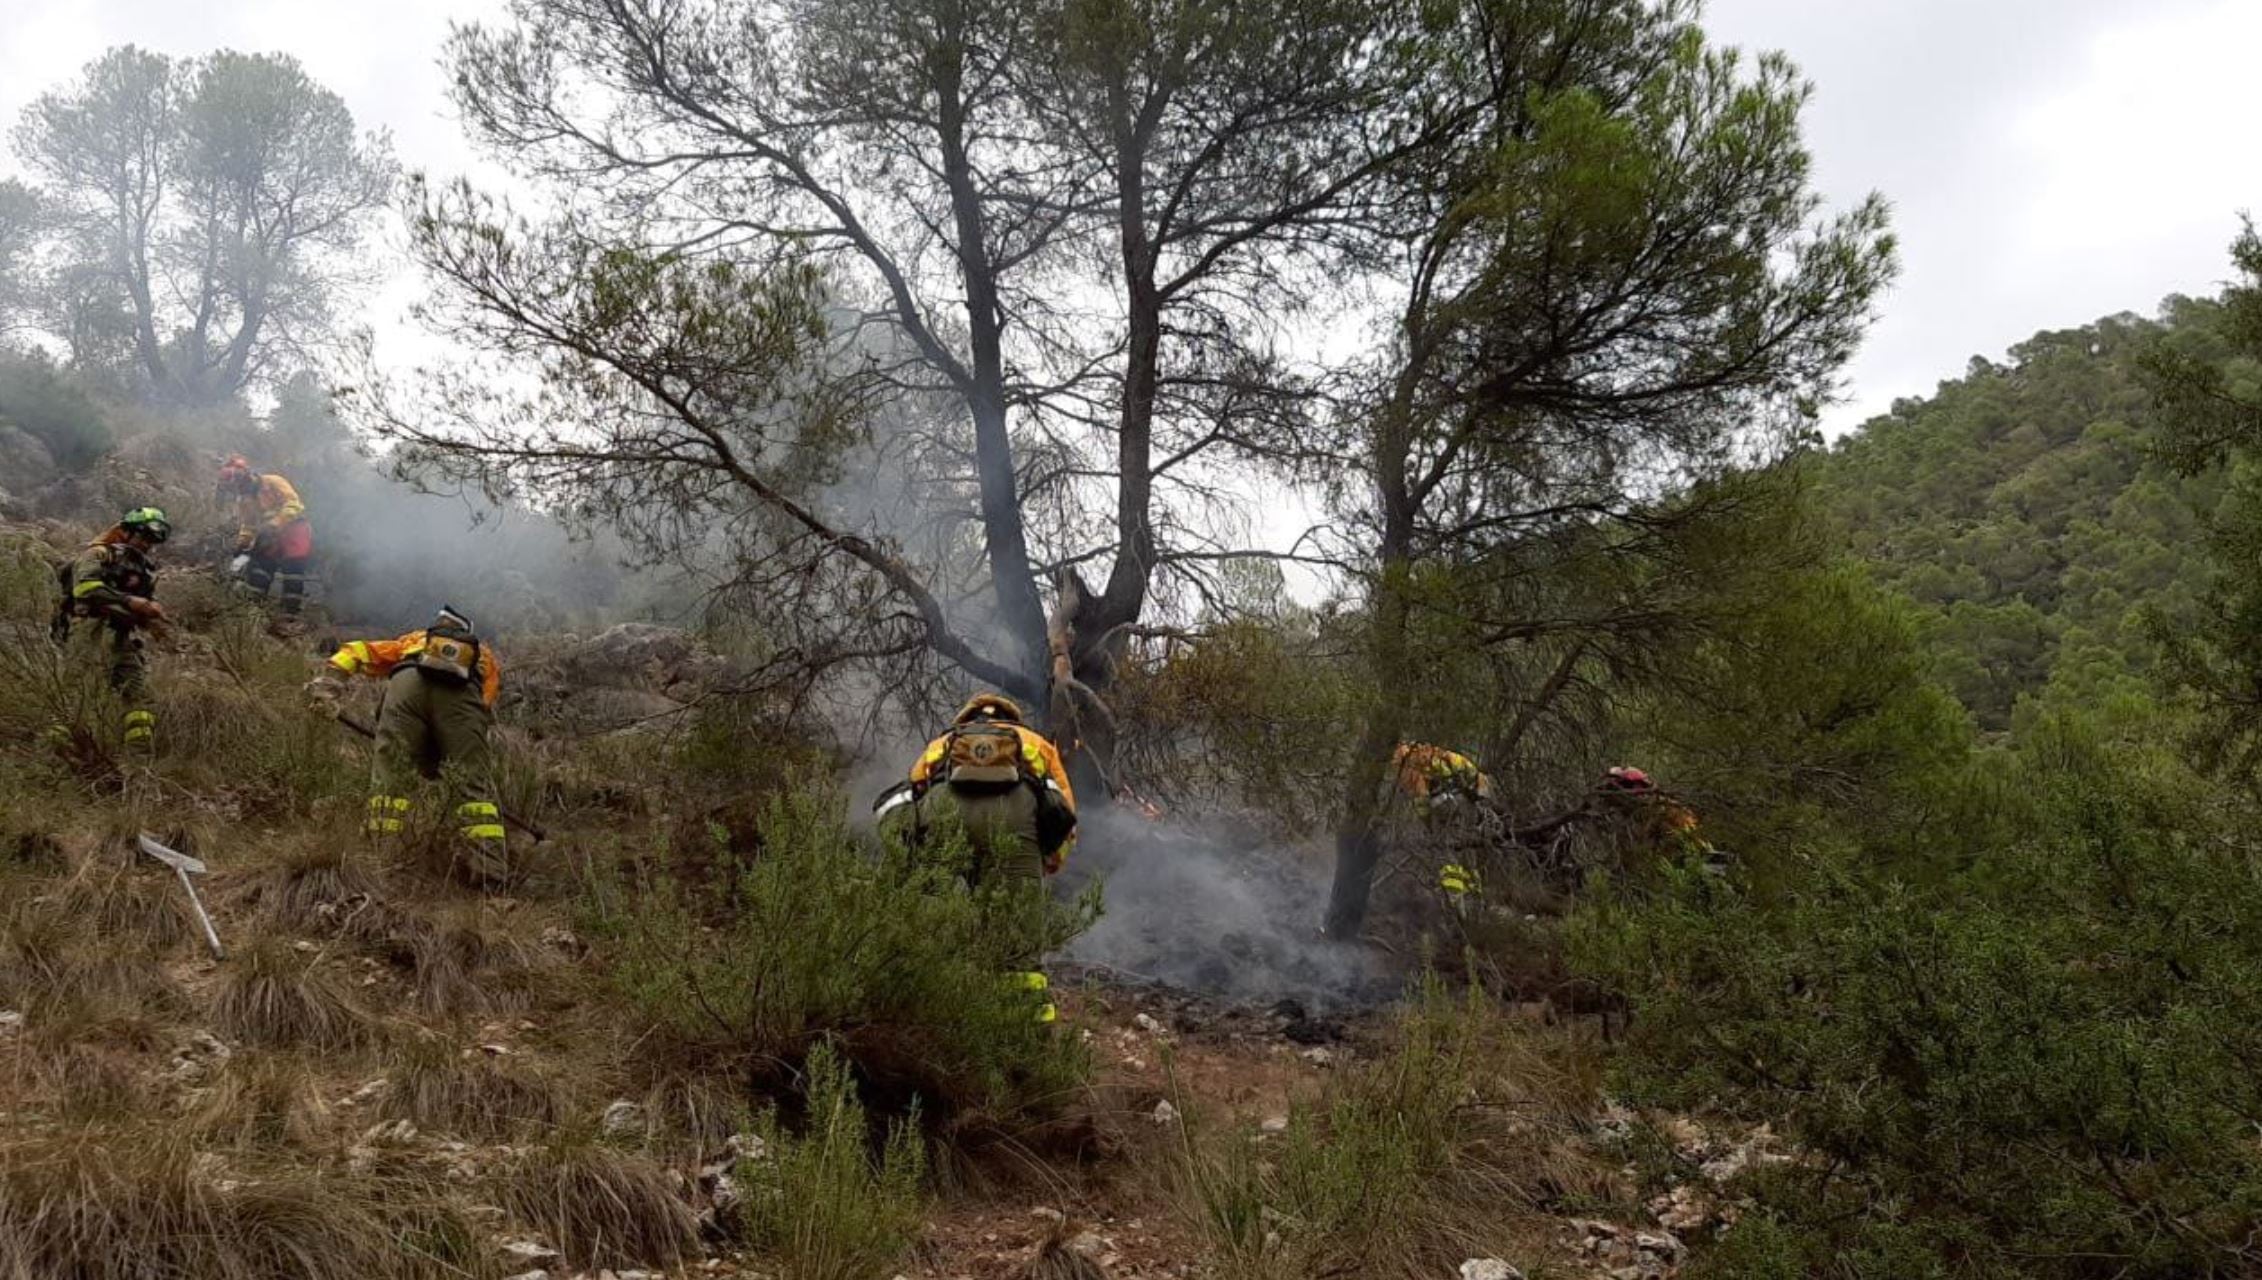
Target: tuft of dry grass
(462, 969)
(139, 908)
(1056, 1261)
(437, 1089)
(600, 1207)
(261, 1100)
(72, 984)
(273, 996)
(98, 1203)
(317, 889)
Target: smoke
(1220, 910)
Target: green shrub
(818, 938)
(2041, 1065)
(821, 1203)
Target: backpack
(453, 659)
(984, 755)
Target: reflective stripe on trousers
(1039, 985)
(387, 815)
(141, 727)
(479, 820)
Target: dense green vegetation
(2026, 507)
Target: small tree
(206, 210)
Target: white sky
(2048, 161)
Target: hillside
(630, 1061)
(2022, 506)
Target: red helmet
(1625, 777)
(236, 474)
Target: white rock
(1147, 1024)
(1663, 1244)
(1046, 1213)
(529, 1250)
(1274, 1124)
(622, 1117)
(10, 1022)
(536, 1274)
(1489, 1269)
(1165, 1113)
(1319, 1055)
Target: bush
(39, 400)
(818, 939)
(2039, 1066)
(820, 1203)
(1445, 1149)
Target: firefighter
(1010, 792)
(113, 584)
(271, 530)
(1655, 820)
(1436, 783)
(440, 689)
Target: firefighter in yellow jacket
(1437, 782)
(440, 689)
(272, 531)
(1010, 792)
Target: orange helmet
(989, 706)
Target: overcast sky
(2048, 161)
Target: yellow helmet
(989, 706)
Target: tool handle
(211, 935)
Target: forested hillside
(2024, 506)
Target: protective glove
(246, 540)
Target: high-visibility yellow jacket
(1038, 756)
(270, 507)
(380, 658)
(1424, 771)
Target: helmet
(1625, 777)
(149, 522)
(449, 622)
(236, 475)
(989, 706)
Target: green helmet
(150, 522)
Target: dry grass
(276, 997)
(106, 1204)
(140, 908)
(463, 968)
(1460, 1143)
(73, 985)
(318, 889)
(438, 1089)
(1056, 1261)
(600, 1207)
(262, 1100)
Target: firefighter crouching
(1010, 792)
(439, 707)
(271, 531)
(1439, 784)
(113, 584)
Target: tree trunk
(1358, 836)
